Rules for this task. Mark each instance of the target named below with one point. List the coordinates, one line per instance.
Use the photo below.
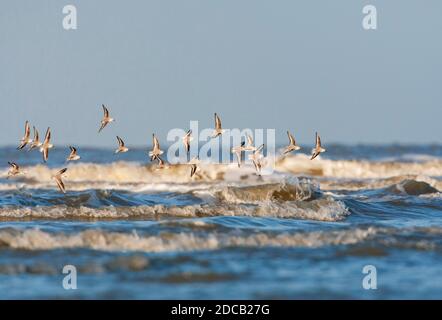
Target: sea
(358, 222)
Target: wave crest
(301, 164)
(413, 187)
(324, 209)
(302, 189)
(34, 239)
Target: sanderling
(106, 118)
(318, 148)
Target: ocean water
(134, 231)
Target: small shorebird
(238, 151)
(14, 170)
(156, 151)
(57, 177)
(318, 148)
(106, 118)
(121, 147)
(292, 144)
(186, 140)
(218, 128)
(73, 156)
(256, 159)
(26, 138)
(36, 141)
(194, 165)
(249, 146)
(46, 145)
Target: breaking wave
(237, 195)
(413, 187)
(406, 184)
(96, 239)
(324, 209)
(301, 164)
(132, 173)
(303, 189)
(34, 239)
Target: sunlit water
(306, 231)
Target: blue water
(136, 233)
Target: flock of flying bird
(155, 153)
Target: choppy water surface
(306, 231)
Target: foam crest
(34, 239)
(324, 209)
(407, 184)
(301, 164)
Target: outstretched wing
(186, 145)
(25, 139)
(249, 140)
(103, 124)
(217, 122)
(259, 149)
(318, 141)
(45, 154)
(27, 130)
(13, 165)
(36, 135)
(105, 111)
(257, 165)
(314, 155)
(156, 143)
(47, 136)
(62, 171)
(22, 145)
(238, 158)
(160, 161)
(120, 141)
(291, 138)
(60, 184)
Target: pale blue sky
(300, 65)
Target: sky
(303, 65)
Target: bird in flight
(121, 147)
(26, 138)
(238, 151)
(156, 151)
(106, 118)
(46, 145)
(249, 146)
(194, 165)
(256, 159)
(36, 141)
(218, 128)
(186, 140)
(292, 144)
(14, 170)
(58, 179)
(73, 156)
(318, 147)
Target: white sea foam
(301, 164)
(324, 209)
(134, 177)
(35, 239)
(428, 185)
